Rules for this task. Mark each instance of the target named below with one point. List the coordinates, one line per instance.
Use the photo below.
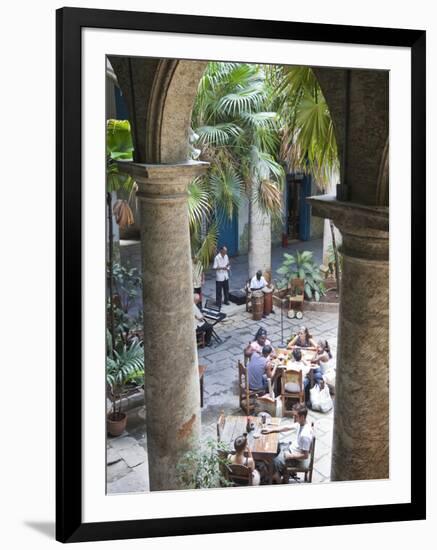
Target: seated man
(259, 369)
(258, 282)
(199, 321)
(296, 453)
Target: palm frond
(241, 100)
(226, 186)
(264, 166)
(217, 135)
(268, 196)
(199, 201)
(207, 246)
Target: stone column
(171, 375)
(361, 422)
(260, 238)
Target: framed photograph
(240, 244)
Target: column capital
(166, 182)
(365, 229)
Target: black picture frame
(70, 22)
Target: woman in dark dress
(303, 339)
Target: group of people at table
(262, 366)
(294, 453)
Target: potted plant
(121, 366)
(302, 266)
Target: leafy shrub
(203, 468)
(302, 266)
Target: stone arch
(177, 108)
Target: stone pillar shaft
(260, 238)
(171, 375)
(361, 422)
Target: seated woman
(321, 358)
(258, 343)
(326, 363)
(323, 355)
(303, 339)
(240, 445)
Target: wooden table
(307, 355)
(264, 447)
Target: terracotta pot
(116, 423)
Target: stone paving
(127, 454)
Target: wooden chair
(291, 388)
(220, 425)
(200, 339)
(308, 471)
(239, 475)
(247, 396)
(296, 298)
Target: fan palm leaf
(226, 186)
(199, 201)
(206, 245)
(218, 135)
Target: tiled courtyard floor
(127, 455)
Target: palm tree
(308, 140)
(238, 134)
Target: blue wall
(228, 232)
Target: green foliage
(206, 244)
(118, 147)
(118, 139)
(302, 266)
(237, 133)
(125, 325)
(204, 467)
(128, 284)
(307, 133)
(199, 204)
(122, 366)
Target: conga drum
(268, 300)
(257, 304)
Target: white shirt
(197, 275)
(299, 365)
(304, 439)
(254, 283)
(198, 316)
(221, 262)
